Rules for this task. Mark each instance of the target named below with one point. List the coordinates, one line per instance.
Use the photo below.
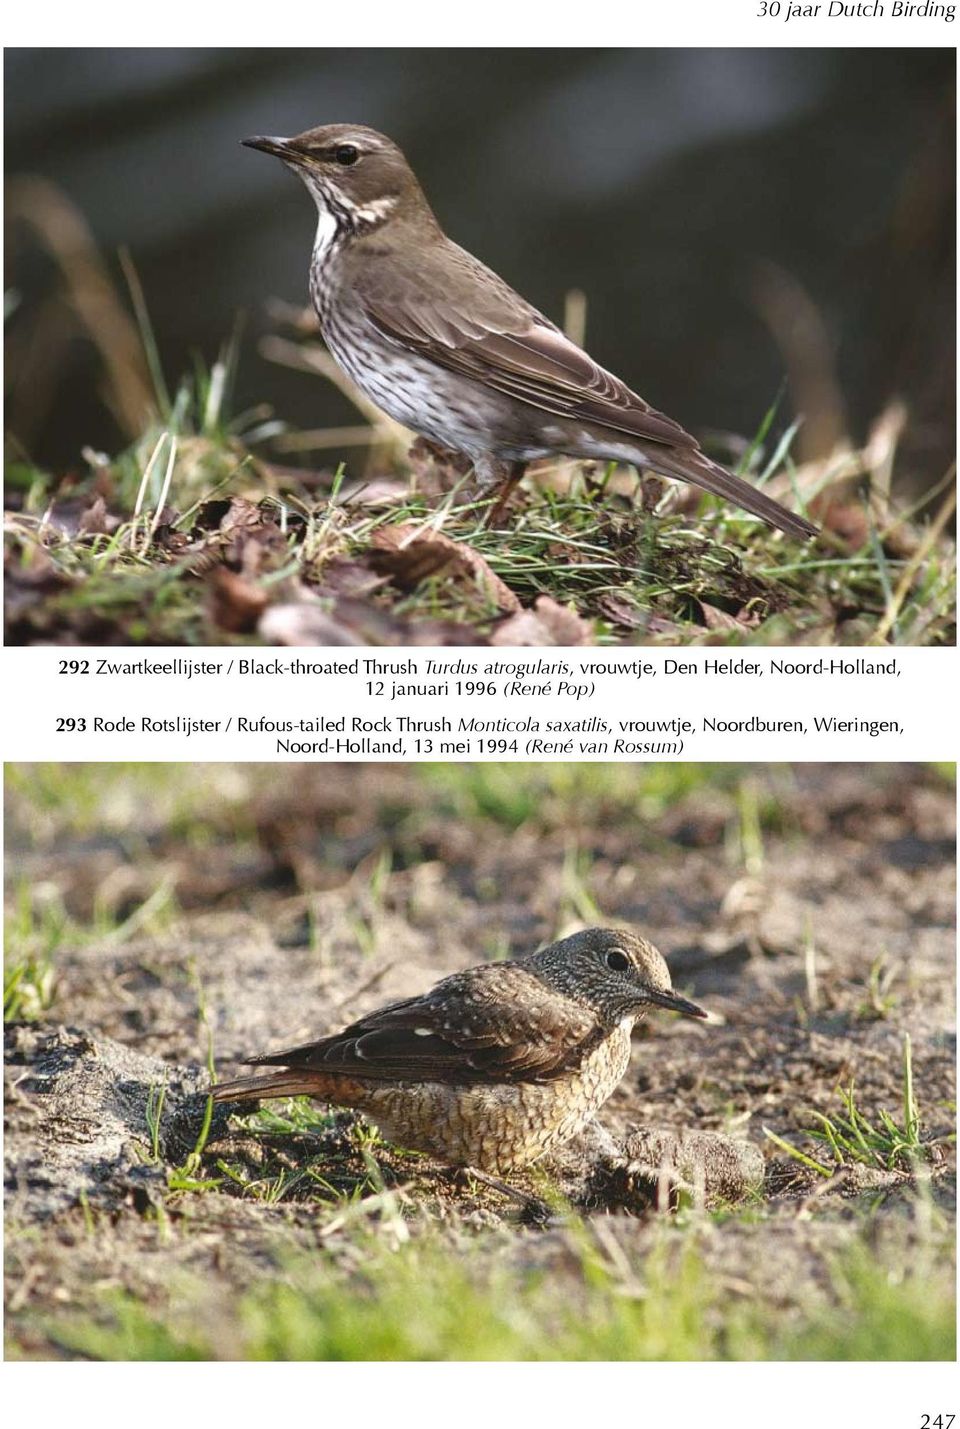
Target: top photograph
(480, 347)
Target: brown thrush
(494, 1066)
(448, 349)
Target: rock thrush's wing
(488, 1024)
(485, 331)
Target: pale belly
(447, 408)
(498, 1128)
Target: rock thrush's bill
(494, 1066)
(448, 349)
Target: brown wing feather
(488, 332)
(543, 367)
(487, 1024)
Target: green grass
(379, 1281)
(143, 810)
(29, 988)
(553, 795)
(37, 925)
(202, 805)
(881, 998)
(882, 1314)
(590, 560)
(301, 1118)
(429, 1299)
(129, 803)
(289, 1116)
(851, 1137)
(190, 1175)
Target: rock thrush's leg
(533, 1205)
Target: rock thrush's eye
(617, 962)
(346, 154)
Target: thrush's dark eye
(617, 962)
(346, 154)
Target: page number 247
(937, 1421)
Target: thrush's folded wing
(449, 307)
(479, 327)
(496, 1023)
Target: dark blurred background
(732, 216)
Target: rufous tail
(279, 1084)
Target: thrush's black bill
(270, 145)
(673, 1003)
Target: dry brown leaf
(411, 554)
(343, 577)
(80, 516)
(621, 612)
(96, 521)
(662, 625)
(356, 622)
(241, 515)
(716, 619)
(304, 623)
(241, 534)
(548, 623)
(234, 604)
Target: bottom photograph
(480, 1062)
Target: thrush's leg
(500, 477)
(533, 1205)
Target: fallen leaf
(80, 516)
(343, 577)
(548, 623)
(96, 521)
(662, 625)
(356, 622)
(234, 603)
(411, 554)
(716, 619)
(242, 515)
(622, 612)
(304, 623)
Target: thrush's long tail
(278, 1084)
(695, 467)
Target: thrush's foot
(533, 1207)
